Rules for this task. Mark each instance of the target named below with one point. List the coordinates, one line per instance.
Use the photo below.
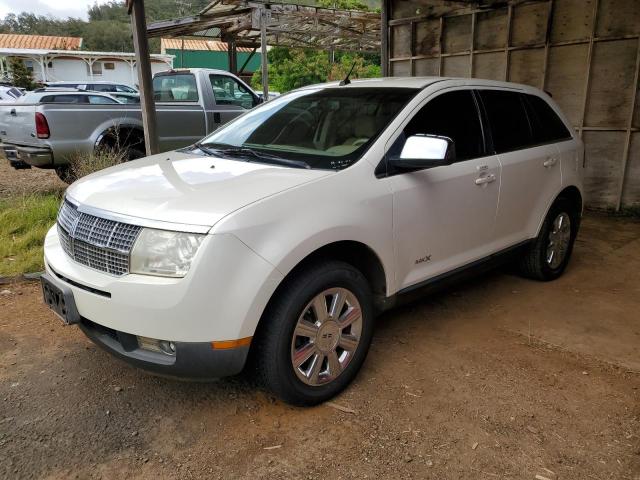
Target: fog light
(159, 346)
(167, 347)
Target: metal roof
(191, 44)
(39, 52)
(286, 25)
(14, 40)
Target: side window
(175, 88)
(62, 99)
(510, 127)
(102, 87)
(98, 100)
(228, 91)
(124, 88)
(452, 115)
(545, 123)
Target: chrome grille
(96, 242)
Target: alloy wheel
(326, 336)
(559, 240)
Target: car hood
(183, 188)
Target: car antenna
(346, 80)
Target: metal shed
(586, 53)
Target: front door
(443, 217)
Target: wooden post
(384, 38)
(143, 62)
(182, 53)
(232, 55)
(263, 54)
(627, 143)
(507, 54)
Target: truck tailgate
(18, 125)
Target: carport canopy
(243, 22)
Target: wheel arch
(355, 253)
(571, 193)
(122, 135)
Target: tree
(343, 4)
(20, 75)
(109, 25)
(291, 68)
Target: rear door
(443, 217)
(530, 167)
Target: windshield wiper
(265, 157)
(207, 150)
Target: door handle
(216, 117)
(486, 179)
(550, 162)
(13, 112)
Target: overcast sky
(57, 8)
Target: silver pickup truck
(189, 105)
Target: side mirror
(424, 151)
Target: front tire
(548, 256)
(316, 334)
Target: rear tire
(66, 174)
(547, 257)
(133, 153)
(315, 335)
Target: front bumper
(192, 360)
(221, 299)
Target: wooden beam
(246, 62)
(384, 40)
(547, 42)
(627, 143)
(507, 55)
(143, 62)
(587, 77)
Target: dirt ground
(18, 182)
(498, 378)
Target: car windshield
(325, 128)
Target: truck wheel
(315, 336)
(132, 153)
(66, 174)
(549, 254)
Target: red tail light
(42, 127)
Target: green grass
(24, 221)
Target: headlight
(164, 253)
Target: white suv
(280, 236)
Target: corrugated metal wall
(586, 53)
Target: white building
(48, 62)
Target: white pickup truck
(189, 105)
